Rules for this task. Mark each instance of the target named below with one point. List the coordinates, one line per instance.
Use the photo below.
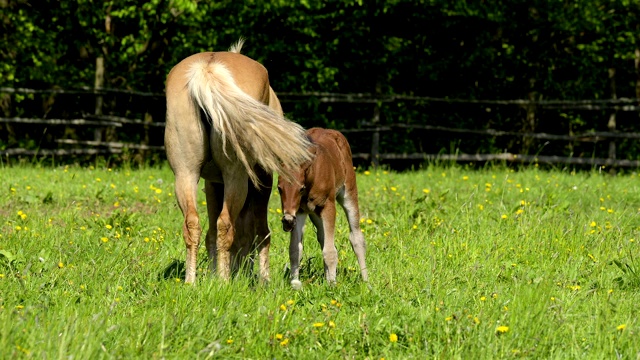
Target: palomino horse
(225, 124)
(316, 187)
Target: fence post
(611, 125)
(98, 84)
(375, 137)
(637, 66)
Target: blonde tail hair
(256, 133)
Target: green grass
(474, 264)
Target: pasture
(483, 264)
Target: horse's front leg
(214, 195)
(261, 210)
(235, 194)
(326, 237)
(295, 250)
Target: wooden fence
(99, 144)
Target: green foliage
(447, 49)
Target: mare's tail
(255, 133)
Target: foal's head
(291, 193)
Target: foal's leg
(295, 250)
(326, 237)
(235, 194)
(214, 195)
(349, 202)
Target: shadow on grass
(176, 269)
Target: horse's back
(333, 154)
(333, 141)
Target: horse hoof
(296, 284)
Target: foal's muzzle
(288, 222)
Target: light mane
(235, 48)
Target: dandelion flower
(393, 337)
(502, 329)
(284, 342)
(229, 341)
(621, 327)
(279, 337)
(318, 324)
(426, 191)
(503, 216)
(332, 324)
(283, 307)
(109, 226)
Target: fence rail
(98, 147)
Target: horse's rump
(253, 131)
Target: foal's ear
(313, 150)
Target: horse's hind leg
(186, 193)
(186, 154)
(349, 202)
(235, 194)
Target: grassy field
(472, 264)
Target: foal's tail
(255, 133)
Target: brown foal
(316, 187)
